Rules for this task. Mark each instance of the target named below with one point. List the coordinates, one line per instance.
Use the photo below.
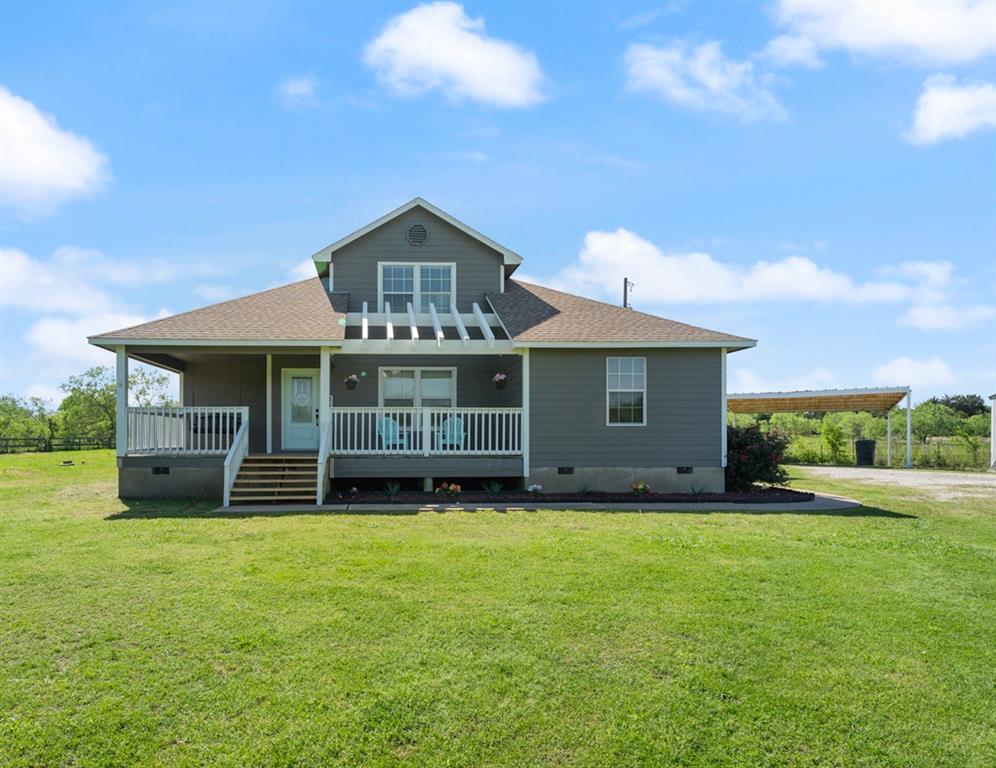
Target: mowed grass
(161, 634)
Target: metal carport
(822, 400)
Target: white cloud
(946, 110)
(934, 31)
(946, 316)
(64, 339)
(42, 165)
(744, 380)
(297, 92)
(212, 292)
(72, 279)
(916, 373)
(303, 270)
(701, 79)
(699, 278)
(436, 46)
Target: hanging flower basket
(351, 381)
(500, 380)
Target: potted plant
(640, 488)
(351, 381)
(500, 380)
(448, 489)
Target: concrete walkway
(822, 503)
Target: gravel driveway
(939, 484)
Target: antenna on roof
(628, 285)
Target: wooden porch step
(281, 457)
(281, 497)
(290, 480)
(278, 472)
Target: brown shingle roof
(301, 311)
(536, 313)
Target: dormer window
(418, 284)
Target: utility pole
(628, 285)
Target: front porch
(361, 416)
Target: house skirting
(171, 477)
(616, 479)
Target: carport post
(909, 421)
(121, 402)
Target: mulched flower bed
(756, 496)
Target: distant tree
(20, 418)
(149, 388)
(979, 425)
(933, 419)
(966, 405)
(88, 408)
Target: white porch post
(269, 403)
(525, 412)
(723, 407)
(121, 403)
(888, 438)
(909, 426)
(324, 388)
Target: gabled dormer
(416, 254)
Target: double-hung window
(626, 391)
(418, 284)
(418, 387)
(397, 286)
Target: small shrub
(833, 436)
(392, 489)
(640, 488)
(535, 488)
(971, 443)
(584, 488)
(493, 487)
(754, 456)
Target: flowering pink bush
(754, 456)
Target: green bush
(754, 456)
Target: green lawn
(160, 634)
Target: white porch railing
(238, 451)
(426, 431)
(184, 431)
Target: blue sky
(818, 176)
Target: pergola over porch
(830, 400)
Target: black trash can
(864, 453)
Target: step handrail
(234, 457)
(324, 447)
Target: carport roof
(879, 399)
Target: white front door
(299, 409)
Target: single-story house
(415, 353)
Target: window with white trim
(398, 286)
(418, 387)
(419, 284)
(626, 391)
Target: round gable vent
(417, 234)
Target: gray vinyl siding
(230, 380)
(478, 268)
(567, 406)
(474, 373)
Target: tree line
(88, 408)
